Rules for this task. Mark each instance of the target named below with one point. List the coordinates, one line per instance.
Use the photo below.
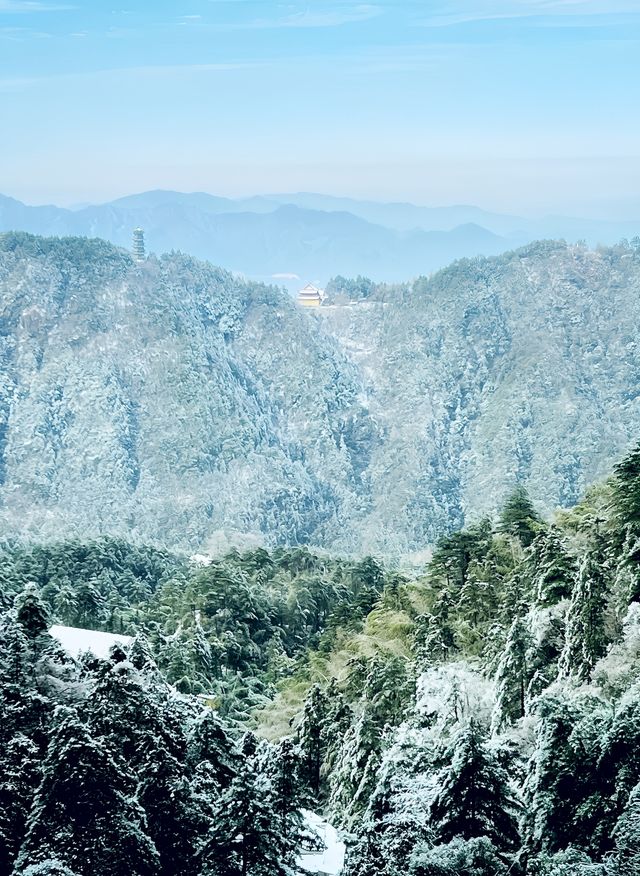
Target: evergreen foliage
(480, 719)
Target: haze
(527, 106)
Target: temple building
(138, 244)
(310, 296)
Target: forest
(172, 403)
(479, 719)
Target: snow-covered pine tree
(551, 567)
(620, 757)
(512, 676)
(31, 613)
(627, 838)
(49, 867)
(626, 489)
(586, 639)
(211, 753)
(460, 857)
(19, 777)
(353, 779)
(245, 839)
(176, 820)
(82, 813)
(125, 708)
(474, 797)
(312, 739)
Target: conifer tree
(586, 639)
(31, 613)
(19, 778)
(460, 857)
(552, 569)
(474, 798)
(338, 721)
(626, 489)
(567, 800)
(627, 837)
(512, 676)
(620, 756)
(312, 738)
(125, 709)
(176, 821)
(519, 518)
(211, 751)
(353, 778)
(82, 814)
(281, 765)
(49, 867)
(245, 839)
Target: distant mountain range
(306, 235)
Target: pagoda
(310, 296)
(138, 244)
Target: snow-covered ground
(331, 860)
(76, 641)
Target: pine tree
(552, 569)
(23, 709)
(586, 639)
(626, 585)
(176, 821)
(281, 765)
(353, 778)
(512, 676)
(19, 778)
(620, 757)
(567, 798)
(626, 489)
(31, 613)
(312, 739)
(627, 837)
(245, 839)
(474, 798)
(519, 518)
(210, 751)
(460, 857)
(82, 814)
(125, 708)
(338, 721)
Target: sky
(526, 106)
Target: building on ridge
(310, 296)
(138, 245)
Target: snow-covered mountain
(169, 401)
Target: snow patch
(331, 860)
(77, 641)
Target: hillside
(481, 719)
(173, 403)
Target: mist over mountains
(175, 403)
(308, 235)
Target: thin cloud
(27, 6)
(11, 84)
(463, 12)
(328, 18)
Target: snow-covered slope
(171, 402)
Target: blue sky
(521, 105)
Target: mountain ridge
(171, 401)
(305, 234)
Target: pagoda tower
(310, 296)
(138, 244)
